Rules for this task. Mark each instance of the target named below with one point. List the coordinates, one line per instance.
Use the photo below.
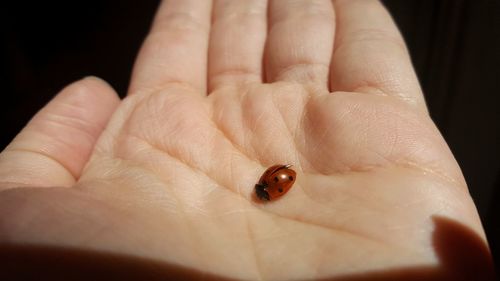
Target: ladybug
(275, 182)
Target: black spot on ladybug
(290, 178)
(261, 192)
(276, 179)
(280, 189)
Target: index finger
(370, 55)
(175, 50)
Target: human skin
(220, 92)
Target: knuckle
(306, 10)
(179, 21)
(372, 35)
(238, 11)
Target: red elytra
(275, 182)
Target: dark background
(454, 44)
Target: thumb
(55, 145)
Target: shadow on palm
(461, 253)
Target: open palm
(170, 176)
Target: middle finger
(300, 41)
(237, 42)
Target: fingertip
(92, 88)
(96, 81)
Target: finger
(237, 42)
(55, 145)
(175, 51)
(369, 54)
(300, 41)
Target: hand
(166, 177)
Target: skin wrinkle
(255, 124)
(299, 154)
(394, 141)
(364, 35)
(366, 87)
(57, 121)
(183, 208)
(299, 123)
(180, 207)
(248, 139)
(234, 146)
(75, 108)
(190, 224)
(303, 120)
(322, 139)
(181, 161)
(13, 185)
(267, 211)
(251, 238)
(335, 231)
(44, 155)
(313, 10)
(249, 12)
(324, 261)
(296, 66)
(83, 126)
(318, 143)
(233, 176)
(142, 103)
(332, 229)
(252, 76)
(284, 123)
(109, 176)
(169, 84)
(414, 165)
(186, 164)
(149, 173)
(182, 22)
(336, 23)
(113, 133)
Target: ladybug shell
(276, 181)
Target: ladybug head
(261, 192)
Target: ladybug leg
(260, 190)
